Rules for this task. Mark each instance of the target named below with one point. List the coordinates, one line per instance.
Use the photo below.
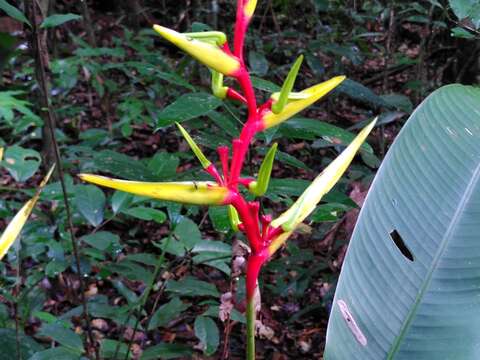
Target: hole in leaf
(397, 239)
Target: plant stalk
(251, 319)
(50, 125)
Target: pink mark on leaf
(351, 323)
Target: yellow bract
(278, 242)
(16, 225)
(306, 98)
(307, 202)
(1, 154)
(208, 54)
(250, 8)
(191, 192)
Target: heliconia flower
(305, 98)
(277, 242)
(1, 154)
(287, 87)
(218, 89)
(260, 187)
(213, 37)
(234, 218)
(188, 192)
(206, 164)
(249, 8)
(210, 55)
(307, 202)
(18, 222)
(193, 145)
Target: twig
(17, 290)
(391, 71)
(388, 55)
(17, 332)
(228, 321)
(50, 121)
(421, 75)
(87, 20)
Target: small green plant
(265, 234)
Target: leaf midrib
(443, 245)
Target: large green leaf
(410, 284)
(13, 12)
(58, 19)
(187, 107)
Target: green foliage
(414, 241)
(467, 9)
(127, 93)
(13, 12)
(21, 163)
(90, 202)
(207, 332)
(58, 19)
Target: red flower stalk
(265, 236)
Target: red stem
(249, 213)
(241, 26)
(255, 263)
(249, 221)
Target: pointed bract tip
(322, 184)
(208, 54)
(250, 7)
(14, 228)
(193, 145)
(292, 108)
(287, 87)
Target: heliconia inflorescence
(14, 228)
(265, 235)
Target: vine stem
(50, 123)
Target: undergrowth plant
(230, 186)
(265, 235)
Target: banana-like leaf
(190, 192)
(14, 228)
(410, 284)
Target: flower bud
(210, 55)
(260, 187)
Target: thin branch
(50, 121)
(87, 20)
